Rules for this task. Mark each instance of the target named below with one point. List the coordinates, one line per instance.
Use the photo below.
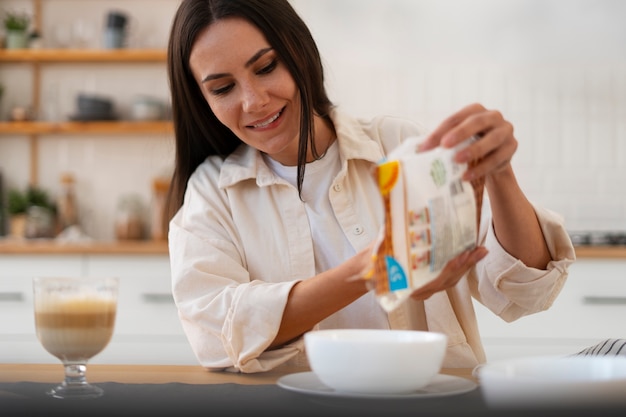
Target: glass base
(75, 385)
(75, 391)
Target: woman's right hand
(451, 274)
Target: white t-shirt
(330, 245)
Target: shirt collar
(354, 142)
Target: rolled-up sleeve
(229, 319)
(509, 288)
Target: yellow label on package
(430, 217)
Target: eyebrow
(248, 63)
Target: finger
(431, 142)
(476, 124)
(492, 163)
(490, 154)
(464, 261)
(487, 143)
(435, 137)
(452, 273)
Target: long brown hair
(198, 132)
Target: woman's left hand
(451, 274)
(493, 151)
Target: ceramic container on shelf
(146, 108)
(17, 39)
(115, 30)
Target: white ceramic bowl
(369, 361)
(554, 381)
(145, 108)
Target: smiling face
(248, 88)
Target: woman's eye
(221, 90)
(268, 68)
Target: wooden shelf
(52, 247)
(602, 252)
(104, 127)
(82, 55)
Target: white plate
(441, 385)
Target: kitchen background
(555, 68)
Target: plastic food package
(431, 216)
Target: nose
(254, 97)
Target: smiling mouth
(269, 121)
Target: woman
(275, 208)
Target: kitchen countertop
(601, 252)
(138, 374)
(173, 390)
(53, 247)
(149, 247)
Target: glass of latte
(74, 320)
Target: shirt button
(337, 187)
(358, 230)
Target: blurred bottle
(160, 186)
(129, 218)
(67, 209)
(2, 209)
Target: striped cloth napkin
(606, 347)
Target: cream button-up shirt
(242, 239)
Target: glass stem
(75, 374)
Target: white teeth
(268, 121)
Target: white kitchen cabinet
(590, 308)
(147, 329)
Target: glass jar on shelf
(160, 187)
(67, 207)
(129, 218)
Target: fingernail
(461, 156)
(480, 253)
(424, 146)
(448, 141)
